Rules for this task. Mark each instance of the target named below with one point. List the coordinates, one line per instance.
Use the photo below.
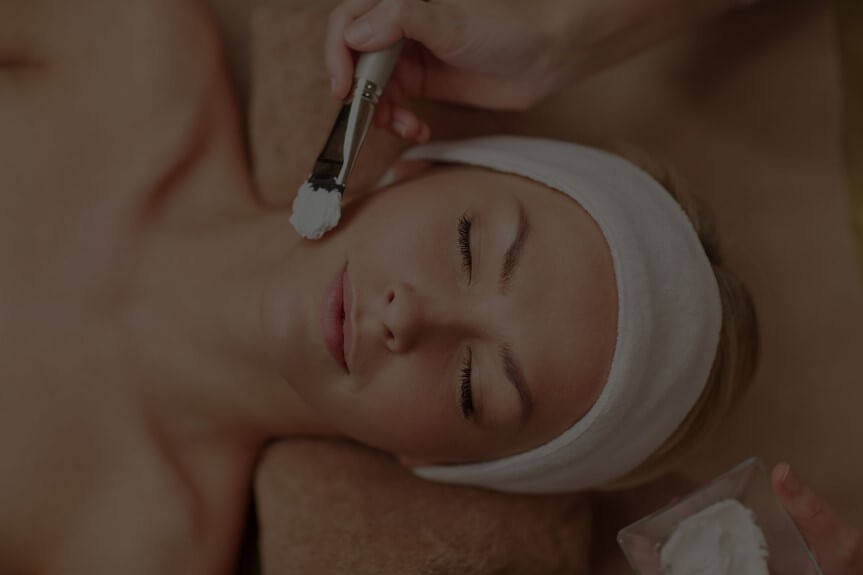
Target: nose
(402, 321)
(409, 316)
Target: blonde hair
(736, 354)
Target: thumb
(431, 24)
(832, 540)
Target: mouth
(347, 319)
(335, 318)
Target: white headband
(669, 316)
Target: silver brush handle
(337, 159)
(374, 70)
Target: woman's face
(479, 317)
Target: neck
(199, 335)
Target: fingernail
(401, 129)
(790, 481)
(425, 135)
(359, 33)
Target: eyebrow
(515, 375)
(511, 365)
(512, 257)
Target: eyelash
(464, 224)
(466, 387)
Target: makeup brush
(317, 207)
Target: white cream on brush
(317, 207)
(316, 211)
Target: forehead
(564, 307)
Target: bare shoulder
(99, 57)
(130, 534)
(143, 518)
(90, 84)
(56, 30)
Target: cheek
(400, 232)
(407, 409)
(412, 252)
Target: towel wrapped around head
(669, 316)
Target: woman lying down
(526, 315)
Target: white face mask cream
(316, 211)
(720, 540)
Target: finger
(393, 96)
(383, 114)
(407, 125)
(409, 72)
(833, 541)
(338, 57)
(394, 92)
(436, 25)
(448, 84)
(425, 133)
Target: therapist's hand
(496, 54)
(837, 545)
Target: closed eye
(464, 224)
(467, 407)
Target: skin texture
(154, 472)
(164, 259)
(698, 104)
(163, 323)
(420, 313)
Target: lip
(331, 318)
(348, 325)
